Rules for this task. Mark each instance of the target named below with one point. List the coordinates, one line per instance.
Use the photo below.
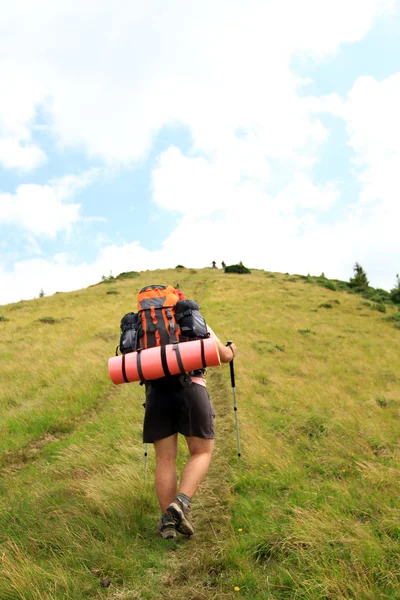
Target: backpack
(162, 319)
(156, 304)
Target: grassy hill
(312, 512)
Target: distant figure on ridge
(223, 265)
(214, 264)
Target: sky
(143, 135)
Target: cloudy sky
(140, 135)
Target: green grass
(311, 513)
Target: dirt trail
(195, 569)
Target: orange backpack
(156, 304)
(163, 318)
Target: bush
(3, 319)
(380, 307)
(382, 401)
(48, 320)
(18, 305)
(341, 285)
(378, 295)
(325, 305)
(306, 331)
(308, 279)
(395, 292)
(329, 285)
(240, 268)
(180, 267)
(112, 292)
(126, 275)
(107, 278)
(395, 318)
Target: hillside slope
(311, 513)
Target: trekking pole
(145, 462)
(228, 343)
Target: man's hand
(227, 353)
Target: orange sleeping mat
(160, 361)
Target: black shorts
(172, 408)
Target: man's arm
(226, 353)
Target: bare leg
(197, 466)
(165, 475)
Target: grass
(311, 513)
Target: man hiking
(173, 408)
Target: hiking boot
(180, 514)
(166, 527)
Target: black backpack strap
(164, 361)
(185, 378)
(179, 359)
(173, 328)
(151, 329)
(203, 356)
(139, 366)
(123, 369)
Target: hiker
(214, 264)
(173, 408)
(223, 264)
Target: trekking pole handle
(228, 343)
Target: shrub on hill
(127, 275)
(3, 319)
(180, 267)
(377, 295)
(48, 320)
(107, 278)
(379, 307)
(395, 318)
(395, 292)
(359, 282)
(329, 285)
(240, 268)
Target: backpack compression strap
(164, 361)
(123, 369)
(173, 328)
(139, 366)
(185, 377)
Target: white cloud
(14, 155)
(109, 77)
(19, 97)
(199, 187)
(372, 116)
(256, 232)
(44, 210)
